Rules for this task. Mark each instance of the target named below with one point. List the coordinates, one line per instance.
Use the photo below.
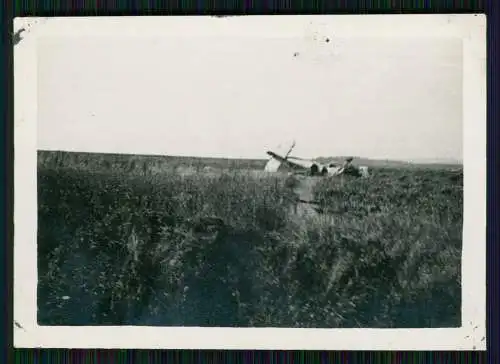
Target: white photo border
(471, 336)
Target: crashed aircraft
(314, 168)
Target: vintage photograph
(300, 179)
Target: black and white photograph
(250, 182)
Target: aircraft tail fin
(272, 165)
(276, 160)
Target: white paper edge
(471, 336)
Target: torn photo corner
(292, 182)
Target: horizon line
(405, 161)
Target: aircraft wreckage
(313, 168)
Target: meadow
(137, 240)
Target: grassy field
(136, 240)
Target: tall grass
(221, 249)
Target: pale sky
(394, 98)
